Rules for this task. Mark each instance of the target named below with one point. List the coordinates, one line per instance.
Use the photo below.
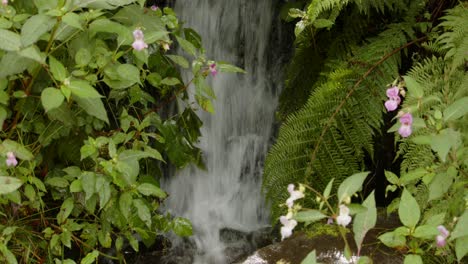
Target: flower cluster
(406, 121)
(394, 99)
(294, 195)
(441, 238)
(288, 226)
(287, 221)
(11, 159)
(343, 218)
(139, 43)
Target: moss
(319, 229)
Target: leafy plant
(85, 89)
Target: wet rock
(240, 244)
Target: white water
(234, 139)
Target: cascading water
(234, 139)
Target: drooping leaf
(365, 221)
(151, 189)
(51, 98)
(94, 107)
(351, 185)
(457, 109)
(408, 210)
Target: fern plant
(331, 133)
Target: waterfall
(234, 139)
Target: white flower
(288, 226)
(139, 44)
(294, 195)
(343, 218)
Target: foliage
(431, 186)
(329, 136)
(86, 127)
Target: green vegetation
(354, 62)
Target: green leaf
(19, 150)
(408, 210)
(154, 79)
(129, 72)
(441, 183)
(7, 254)
(143, 211)
(51, 98)
(94, 107)
(9, 184)
(65, 210)
(391, 177)
(182, 227)
(426, 232)
(83, 57)
(456, 110)
(88, 182)
(310, 259)
(105, 25)
(83, 89)
(187, 46)
(444, 141)
(326, 192)
(309, 216)
(365, 221)
(33, 53)
(413, 259)
(76, 186)
(393, 240)
(90, 257)
(461, 247)
(171, 81)
(58, 70)
(72, 20)
(104, 190)
(414, 88)
(151, 189)
(58, 182)
(9, 40)
(34, 28)
(225, 67)
(351, 185)
(179, 60)
(125, 204)
(461, 229)
(323, 23)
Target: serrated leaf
(129, 72)
(408, 210)
(187, 46)
(94, 107)
(83, 89)
(413, 259)
(143, 211)
(65, 210)
(461, 229)
(9, 184)
(73, 20)
(457, 109)
(51, 98)
(461, 247)
(311, 258)
(182, 227)
(34, 28)
(88, 182)
(57, 69)
(125, 204)
(179, 60)
(365, 221)
(414, 88)
(9, 40)
(351, 185)
(309, 216)
(151, 189)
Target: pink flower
(294, 195)
(406, 121)
(343, 218)
(213, 69)
(11, 159)
(5, 2)
(154, 7)
(393, 98)
(139, 43)
(441, 238)
(288, 226)
(393, 92)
